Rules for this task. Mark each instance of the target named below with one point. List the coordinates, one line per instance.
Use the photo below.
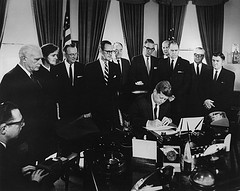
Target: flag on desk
(66, 29)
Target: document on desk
(168, 130)
(144, 149)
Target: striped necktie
(106, 72)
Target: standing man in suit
(21, 87)
(152, 109)
(199, 71)
(102, 82)
(124, 66)
(177, 71)
(219, 86)
(70, 83)
(144, 69)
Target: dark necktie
(118, 61)
(35, 80)
(106, 72)
(172, 65)
(198, 73)
(215, 76)
(147, 65)
(155, 111)
(70, 74)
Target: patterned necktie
(215, 76)
(106, 72)
(155, 111)
(147, 65)
(70, 75)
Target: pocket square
(180, 72)
(79, 76)
(155, 68)
(114, 76)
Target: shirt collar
(4, 144)
(25, 70)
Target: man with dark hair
(70, 83)
(177, 71)
(152, 109)
(144, 69)
(102, 82)
(219, 86)
(11, 176)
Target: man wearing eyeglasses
(70, 84)
(11, 176)
(102, 79)
(198, 75)
(143, 70)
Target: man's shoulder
(228, 72)
(183, 61)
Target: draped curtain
(132, 19)
(48, 17)
(171, 19)
(210, 15)
(91, 24)
(3, 14)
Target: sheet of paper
(144, 149)
(190, 123)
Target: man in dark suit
(102, 79)
(70, 84)
(177, 71)
(21, 87)
(199, 72)
(152, 109)
(124, 66)
(165, 48)
(144, 69)
(12, 176)
(219, 86)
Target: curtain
(91, 21)
(3, 15)
(48, 17)
(210, 15)
(171, 19)
(132, 19)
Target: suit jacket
(103, 97)
(141, 111)
(138, 72)
(196, 93)
(220, 91)
(124, 75)
(72, 99)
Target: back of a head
(6, 111)
(164, 87)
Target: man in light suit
(219, 86)
(152, 109)
(102, 79)
(70, 84)
(199, 71)
(144, 69)
(124, 66)
(21, 87)
(177, 71)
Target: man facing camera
(152, 109)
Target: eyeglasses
(20, 123)
(149, 49)
(198, 55)
(108, 51)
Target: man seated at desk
(152, 110)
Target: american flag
(66, 29)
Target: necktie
(106, 72)
(70, 75)
(198, 73)
(147, 65)
(155, 111)
(215, 76)
(35, 80)
(172, 65)
(118, 61)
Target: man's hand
(28, 170)
(38, 175)
(208, 104)
(166, 121)
(154, 123)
